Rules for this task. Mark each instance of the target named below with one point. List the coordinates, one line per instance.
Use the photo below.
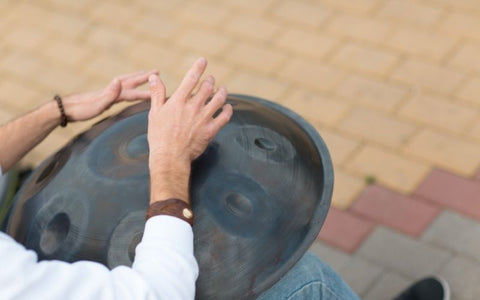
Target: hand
(180, 129)
(88, 105)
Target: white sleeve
(164, 268)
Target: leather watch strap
(171, 207)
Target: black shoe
(429, 288)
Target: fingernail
(152, 79)
(202, 60)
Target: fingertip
(153, 79)
(202, 60)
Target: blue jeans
(310, 278)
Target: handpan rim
(320, 214)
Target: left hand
(80, 107)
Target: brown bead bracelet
(171, 207)
(64, 120)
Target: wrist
(169, 180)
(50, 112)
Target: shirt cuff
(168, 228)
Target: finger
(125, 76)
(205, 90)
(222, 119)
(216, 103)
(191, 79)
(138, 79)
(132, 95)
(157, 90)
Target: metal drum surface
(260, 194)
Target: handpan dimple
(264, 144)
(137, 148)
(260, 194)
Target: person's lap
(310, 278)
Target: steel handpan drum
(260, 194)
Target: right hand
(180, 129)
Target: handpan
(260, 194)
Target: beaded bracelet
(64, 120)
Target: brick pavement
(393, 86)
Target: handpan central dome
(260, 194)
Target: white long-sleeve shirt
(164, 268)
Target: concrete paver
(402, 254)
(387, 286)
(456, 233)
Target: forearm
(21, 135)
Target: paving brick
(467, 57)
(345, 189)
(361, 28)
(24, 37)
(68, 25)
(392, 170)
(456, 233)
(6, 114)
(332, 256)
(250, 6)
(71, 6)
(388, 286)
(344, 230)
(371, 92)
(65, 52)
(306, 42)
(166, 7)
(158, 27)
(377, 127)
(360, 274)
(105, 66)
(474, 130)
(452, 191)
(468, 5)
(115, 13)
(301, 12)
(423, 43)
(461, 24)
(21, 64)
(311, 74)
(109, 38)
(438, 112)
(409, 13)
(18, 96)
(208, 42)
(470, 91)
(403, 255)
(252, 27)
(210, 14)
(393, 210)
(340, 146)
(150, 54)
(423, 75)
(364, 59)
(256, 85)
(463, 277)
(449, 152)
(359, 7)
(316, 108)
(257, 58)
(60, 80)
